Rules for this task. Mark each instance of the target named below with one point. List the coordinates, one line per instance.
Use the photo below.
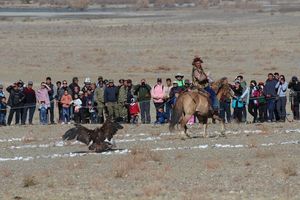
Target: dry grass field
(254, 162)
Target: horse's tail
(176, 114)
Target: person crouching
(161, 116)
(134, 110)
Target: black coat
(16, 97)
(295, 86)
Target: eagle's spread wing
(79, 133)
(110, 128)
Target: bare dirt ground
(254, 162)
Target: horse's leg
(183, 123)
(205, 120)
(222, 124)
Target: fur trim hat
(197, 59)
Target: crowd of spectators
(92, 102)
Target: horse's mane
(219, 83)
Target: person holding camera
(15, 101)
(294, 86)
(252, 100)
(281, 87)
(143, 93)
(270, 94)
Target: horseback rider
(201, 81)
(199, 77)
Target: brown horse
(199, 104)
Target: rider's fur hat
(197, 59)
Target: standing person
(42, 97)
(168, 88)
(77, 103)
(74, 84)
(276, 113)
(100, 81)
(66, 100)
(157, 93)
(21, 88)
(111, 98)
(175, 90)
(294, 86)
(30, 103)
(15, 101)
(143, 93)
(225, 110)
(58, 104)
(270, 93)
(129, 97)
(122, 113)
(43, 109)
(252, 100)
(237, 103)
(51, 94)
(179, 79)
(281, 87)
(62, 90)
(87, 84)
(244, 86)
(99, 99)
(262, 103)
(3, 111)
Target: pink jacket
(158, 93)
(42, 95)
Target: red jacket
(134, 109)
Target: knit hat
(30, 83)
(111, 81)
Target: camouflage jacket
(122, 97)
(199, 78)
(99, 95)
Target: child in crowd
(92, 112)
(66, 100)
(3, 110)
(43, 108)
(161, 116)
(134, 111)
(77, 105)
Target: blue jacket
(161, 117)
(3, 108)
(270, 88)
(111, 94)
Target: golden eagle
(99, 139)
